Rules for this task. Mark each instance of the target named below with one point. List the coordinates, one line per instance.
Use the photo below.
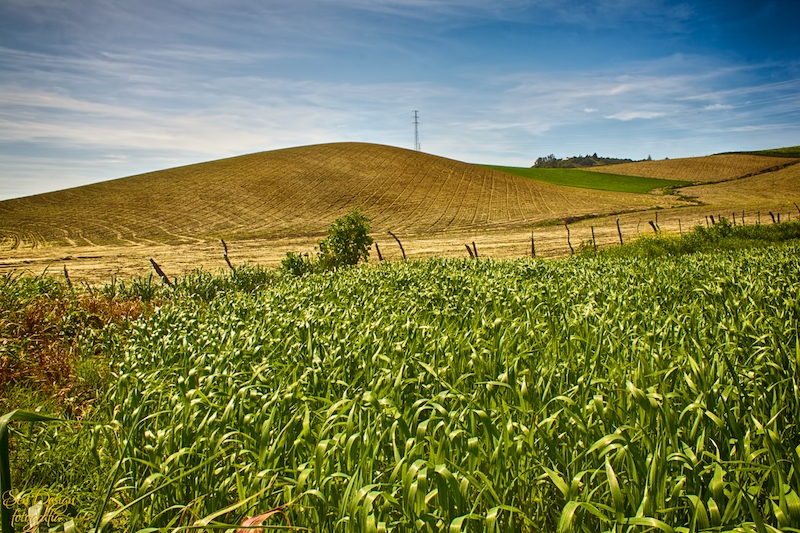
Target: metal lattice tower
(416, 131)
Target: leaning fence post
(160, 272)
(380, 257)
(69, 284)
(469, 251)
(620, 233)
(569, 242)
(474, 249)
(399, 244)
(225, 254)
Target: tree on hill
(551, 161)
(545, 161)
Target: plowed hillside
(296, 192)
(768, 191)
(714, 168)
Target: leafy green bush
(347, 243)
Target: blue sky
(100, 89)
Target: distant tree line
(551, 161)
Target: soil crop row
(298, 192)
(698, 169)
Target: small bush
(348, 242)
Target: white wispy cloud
(633, 115)
(179, 117)
(717, 107)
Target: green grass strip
(592, 180)
(789, 151)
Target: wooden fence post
(380, 257)
(569, 242)
(594, 242)
(399, 243)
(160, 272)
(469, 251)
(225, 254)
(533, 247)
(619, 231)
(69, 284)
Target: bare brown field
(772, 190)
(712, 168)
(298, 192)
(267, 204)
(100, 264)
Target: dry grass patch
(42, 323)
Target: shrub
(347, 243)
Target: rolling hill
(713, 168)
(299, 192)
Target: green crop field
(590, 180)
(590, 394)
(789, 151)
